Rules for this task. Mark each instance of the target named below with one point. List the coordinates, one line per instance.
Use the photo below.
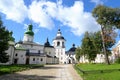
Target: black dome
(47, 44)
(20, 42)
(73, 48)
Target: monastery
(27, 51)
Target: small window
(37, 58)
(33, 59)
(41, 59)
(63, 44)
(61, 58)
(38, 51)
(16, 54)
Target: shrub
(117, 60)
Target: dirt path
(49, 72)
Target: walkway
(49, 72)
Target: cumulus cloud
(97, 2)
(78, 20)
(44, 13)
(38, 13)
(14, 9)
(36, 30)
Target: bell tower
(59, 45)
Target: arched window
(41, 59)
(33, 59)
(63, 44)
(39, 51)
(16, 54)
(58, 43)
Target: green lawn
(99, 71)
(5, 69)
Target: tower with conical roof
(59, 45)
(29, 34)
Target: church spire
(47, 44)
(59, 33)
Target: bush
(118, 60)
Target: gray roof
(59, 37)
(71, 50)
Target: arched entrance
(27, 60)
(69, 61)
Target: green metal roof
(29, 30)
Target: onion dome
(29, 30)
(73, 48)
(47, 44)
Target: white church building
(27, 51)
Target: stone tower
(59, 45)
(29, 34)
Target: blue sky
(73, 17)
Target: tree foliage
(109, 19)
(78, 54)
(88, 47)
(5, 36)
(107, 15)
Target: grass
(6, 69)
(99, 71)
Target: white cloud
(25, 26)
(36, 30)
(78, 20)
(14, 9)
(39, 13)
(44, 12)
(97, 2)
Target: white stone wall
(83, 59)
(60, 53)
(100, 58)
(20, 55)
(28, 38)
(49, 60)
(34, 48)
(37, 60)
(49, 51)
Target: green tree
(88, 48)
(108, 18)
(107, 15)
(5, 36)
(78, 54)
(97, 41)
